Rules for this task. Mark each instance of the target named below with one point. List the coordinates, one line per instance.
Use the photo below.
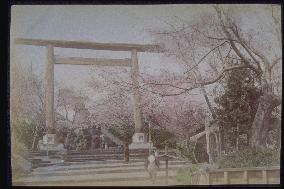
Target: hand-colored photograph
(145, 95)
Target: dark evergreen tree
(236, 108)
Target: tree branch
(246, 47)
(233, 45)
(216, 47)
(197, 85)
(274, 63)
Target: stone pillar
(136, 93)
(138, 139)
(49, 90)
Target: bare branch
(216, 47)
(166, 84)
(274, 63)
(223, 71)
(198, 85)
(246, 47)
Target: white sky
(116, 24)
(98, 23)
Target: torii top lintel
(90, 45)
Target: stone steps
(133, 181)
(99, 166)
(94, 168)
(88, 156)
(50, 162)
(91, 152)
(90, 165)
(95, 173)
(41, 160)
(161, 181)
(96, 152)
(80, 177)
(109, 170)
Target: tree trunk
(217, 142)
(210, 159)
(237, 138)
(126, 153)
(204, 93)
(193, 152)
(34, 140)
(248, 139)
(267, 102)
(208, 102)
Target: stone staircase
(95, 169)
(40, 159)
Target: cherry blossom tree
(224, 40)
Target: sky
(97, 23)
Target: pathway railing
(245, 175)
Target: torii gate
(138, 139)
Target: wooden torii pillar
(139, 137)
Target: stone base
(138, 138)
(48, 139)
(139, 145)
(47, 147)
(139, 142)
(48, 143)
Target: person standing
(152, 167)
(62, 150)
(94, 140)
(156, 154)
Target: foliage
(186, 147)
(71, 141)
(161, 137)
(80, 142)
(75, 141)
(19, 152)
(184, 174)
(24, 132)
(250, 158)
(237, 106)
(218, 38)
(123, 132)
(20, 140)
(18, 148)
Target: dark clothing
(95, 142)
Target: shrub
(185, 148)
(24, 132)
(162, 137)
(80, 142)
(18, 151)
(185, 174)
(250, 158)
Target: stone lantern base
(139, 142)
(48, 143)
